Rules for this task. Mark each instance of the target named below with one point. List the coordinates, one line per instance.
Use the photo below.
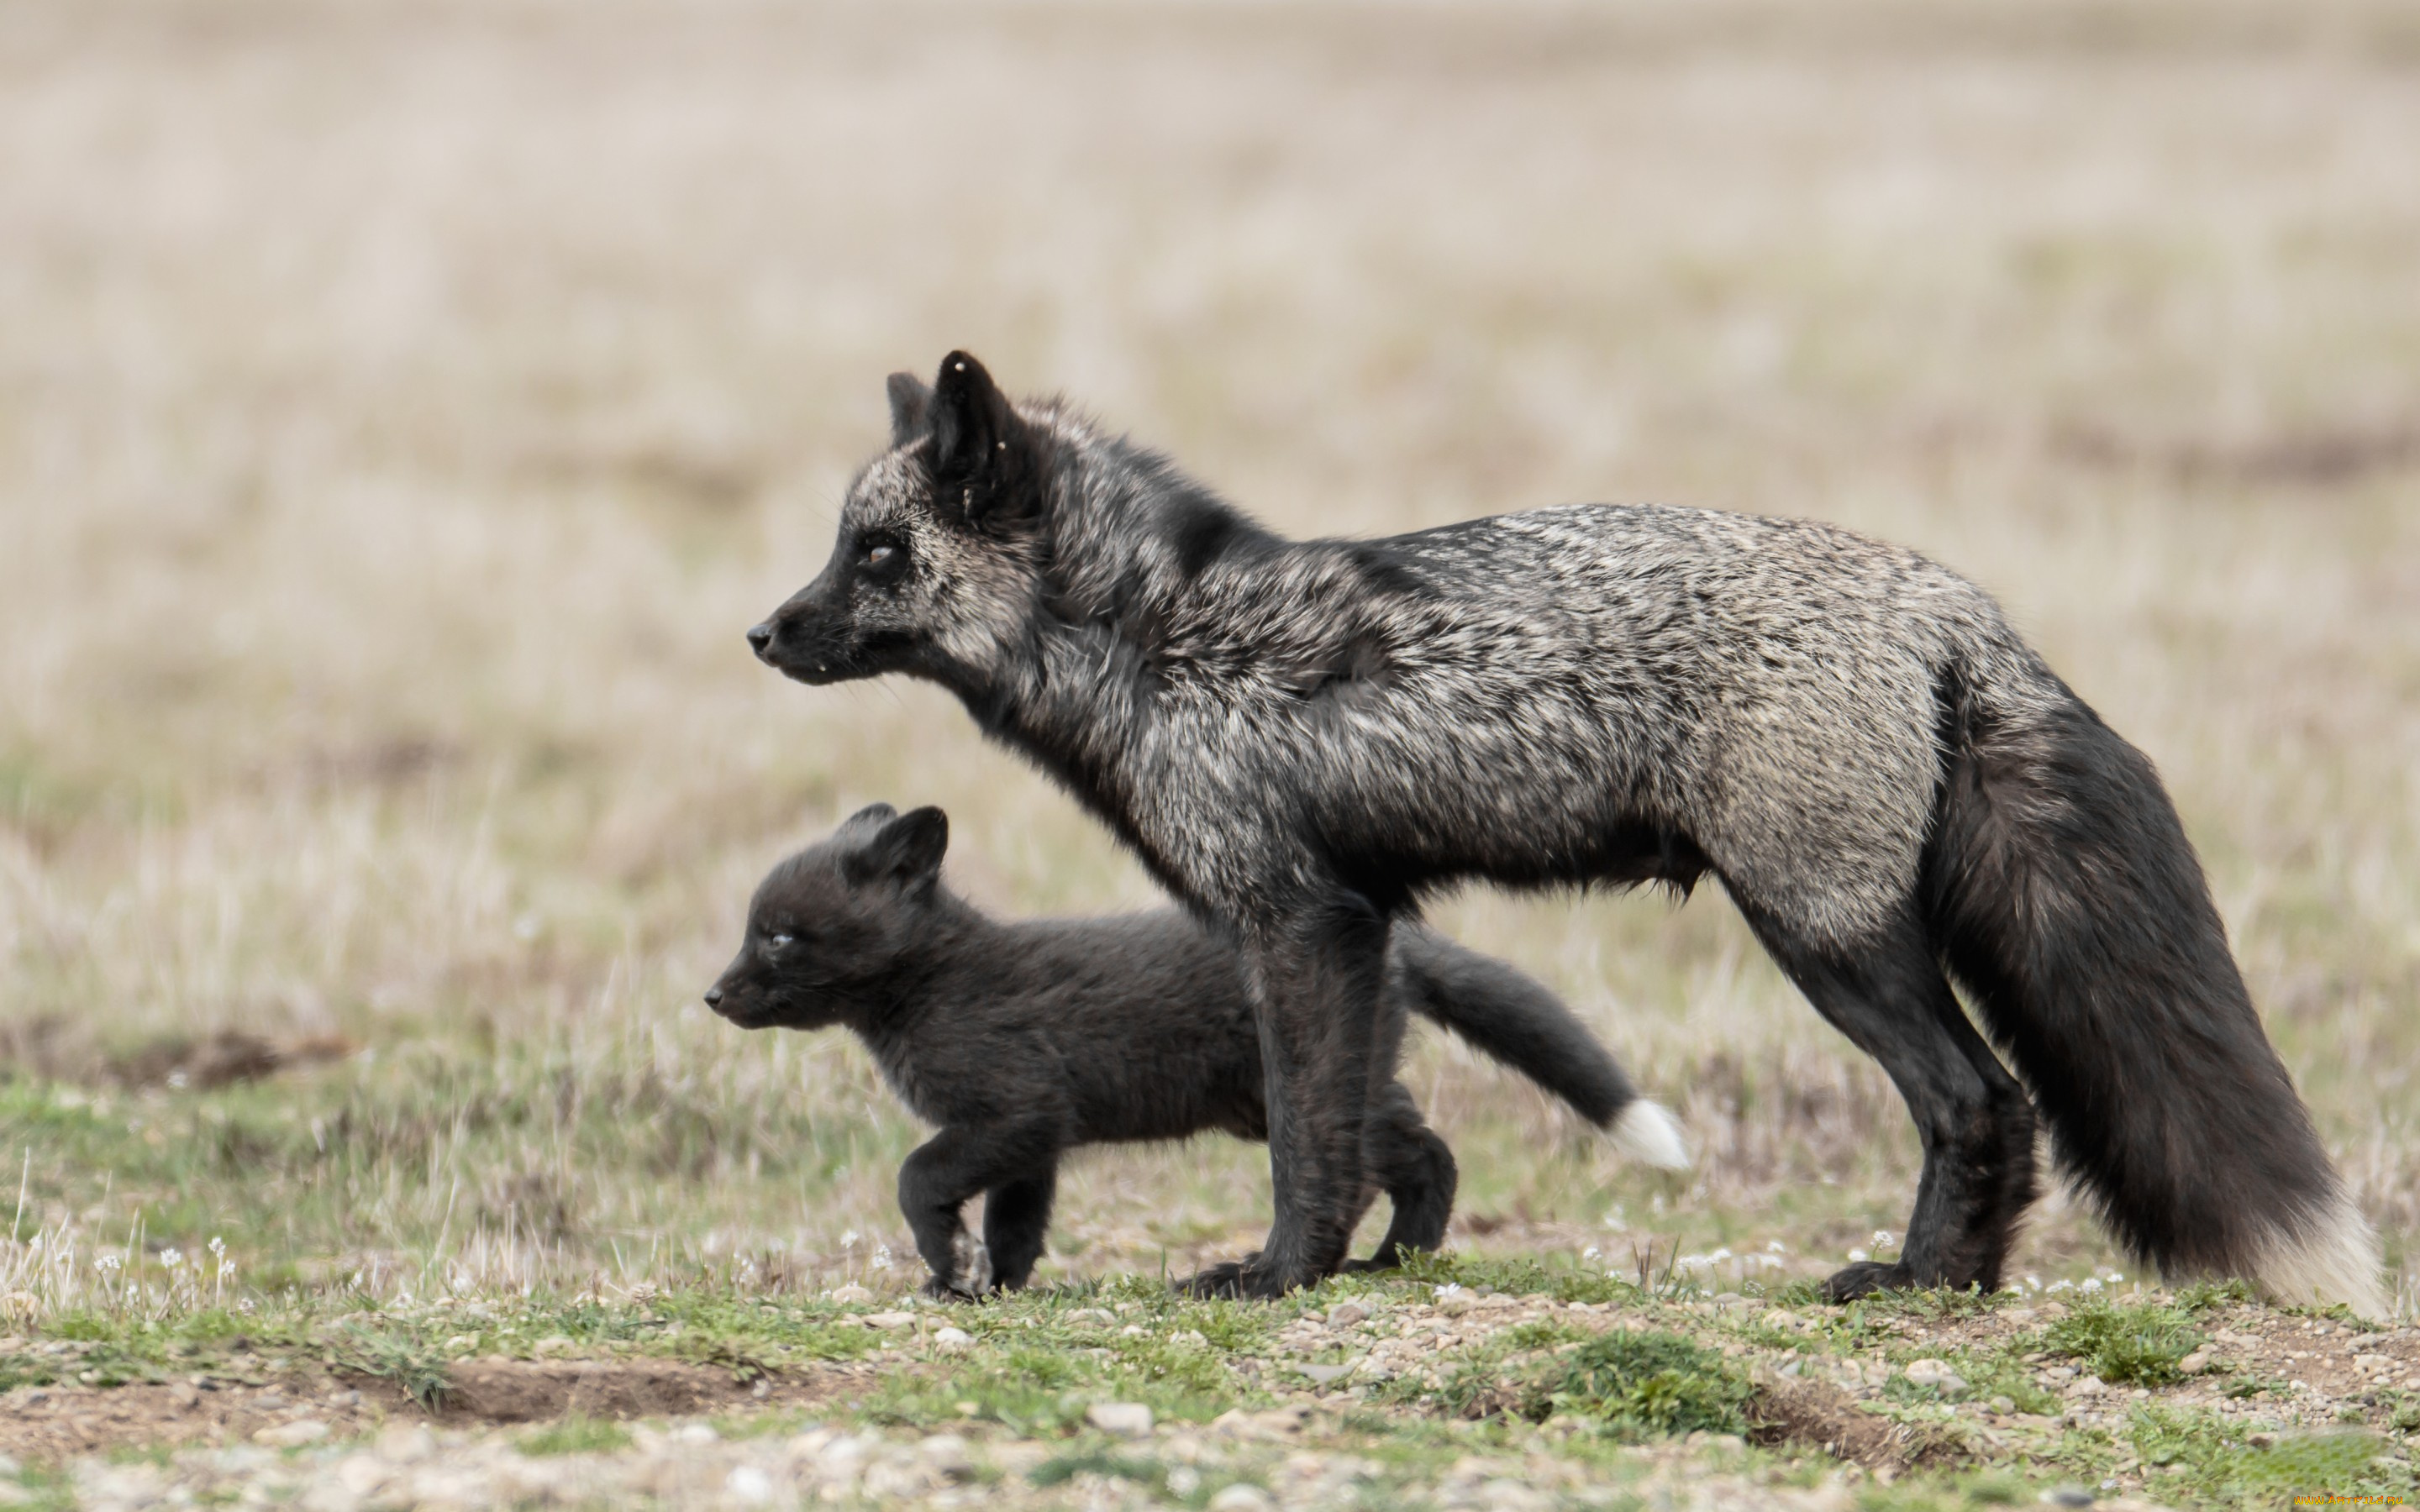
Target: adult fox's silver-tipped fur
(1300, 738)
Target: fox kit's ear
(907, 850)
(873, 816)
(910, 402)
(981, 453)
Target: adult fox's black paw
(1386, 1259)
(1245, 1279)
(1866, 1277)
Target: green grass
(2206, 1461)
(1097, 1462)
(1562, 1278)
(575, 1435)
(2126, 1345)
(1638, 1384)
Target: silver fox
(1302, 739)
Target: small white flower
(1883, 1240)
(106, 1264)
(172, 1258)
(2033, 1283)
(881, 1260)
(849, 1239)
(1858, 1255)
(2091, 1282)
(1448, 1288)
(1774, 1246)
(1590, 1252)
(2115, 1276)
(218, 1245)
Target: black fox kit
(1303, 738)
(1022, 1041)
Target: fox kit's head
(939, 559)
(830, 928)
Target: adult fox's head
(831, 929)
(938, 565)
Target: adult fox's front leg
(1316, 979)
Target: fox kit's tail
(2063, 895)
(1518, 1022)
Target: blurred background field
(405, 407)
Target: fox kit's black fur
(1022, 1041)
(1300, 738)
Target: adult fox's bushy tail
(1516, 1021)
(2062, 893)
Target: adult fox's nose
(714, 998)
(760, 638)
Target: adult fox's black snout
(807, 638)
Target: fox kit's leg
(1889, 998)
(935, 1184)
(1017, 1215)
(1316, 978)
(1406, 1157)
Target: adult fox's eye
(777, 941)
(876, 556)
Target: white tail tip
(2335, 1261)
(1647, 1132)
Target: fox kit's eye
(877, 555)
(777, 942)
(881, 559)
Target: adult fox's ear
(911, 401)
(983, 454)
(907, 850)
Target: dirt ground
(62, 1421)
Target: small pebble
(948, 1454)
(749, 1485)
(1126, 1420)
(292, 1435)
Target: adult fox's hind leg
(1888, 996)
